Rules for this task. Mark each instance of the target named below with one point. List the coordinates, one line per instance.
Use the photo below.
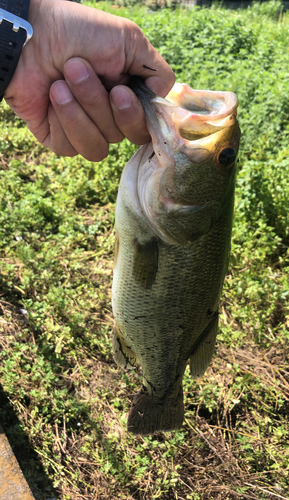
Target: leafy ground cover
(64, 403)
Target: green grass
(66, 402)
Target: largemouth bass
(174, 216)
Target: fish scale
(172, 251)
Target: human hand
(70, 82)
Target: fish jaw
(186, 172)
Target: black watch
(15, 31)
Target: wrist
(15, 31)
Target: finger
(129, 114)
(92, 96)
(56, 140)
(146, 62)
(79, 129)
(158, 85)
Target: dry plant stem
(266, 491)
(209, 444)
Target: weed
(56, 244)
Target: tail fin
(148, 416)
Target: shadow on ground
(40, 485)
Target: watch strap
(18, 7)
(14, 31)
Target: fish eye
(227, 157)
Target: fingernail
(75, 71)
(61, 92)
(121, 98)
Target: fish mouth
(191, 114)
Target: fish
(173, 225)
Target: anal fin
(123, 355)
(204, 349)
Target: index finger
(151, 66)
(139, 58)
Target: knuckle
(103, 154)
(95, 97)
(114, 138)
(96, 155)
(64, 151)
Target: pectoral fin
(145, 263)
(204, 349)
(123, 355)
